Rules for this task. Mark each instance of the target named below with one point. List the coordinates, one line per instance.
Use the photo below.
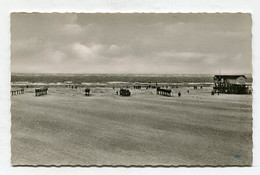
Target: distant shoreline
(110, 79)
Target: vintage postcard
(131, 89)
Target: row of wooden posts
(196, 87)
(137, 86)
(17, 92)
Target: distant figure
(188, 91)
(71, 87)
(218, 92)
(179, 94)
(116, 92)
(87, 92)
(200, 87)
(113, 87)
(76, 87)
(212, 92)
(27, 86)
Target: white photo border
(122, 6)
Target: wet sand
(67, 128)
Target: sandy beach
(67, 128)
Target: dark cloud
(131, 43)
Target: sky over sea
(131, 43)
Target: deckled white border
(123, 6)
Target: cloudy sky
(131, 43)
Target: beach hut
(231, 84)
(87, 92)
(124, 92)
(164, 92)
(41, 91)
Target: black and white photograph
(131, 89)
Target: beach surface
(67, 128)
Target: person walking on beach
(179, 94)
